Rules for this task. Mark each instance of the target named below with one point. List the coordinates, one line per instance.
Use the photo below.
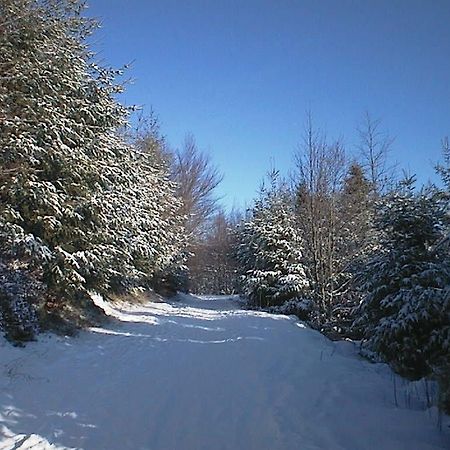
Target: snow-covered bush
(270, 250)
(405, 315)
(300, 307)
(18, 302)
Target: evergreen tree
(443, 248)
(354, 238)
(405, 315)
(58, 148)
(80, 207)
(160, 211)
(355, 212)
(270, 250)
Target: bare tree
(375, 146)
(321, 168)
(197, 178)
(213, 269)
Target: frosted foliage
(299, 307)
(270, 251)
(18, 318)
(406, 312)
(76, 200)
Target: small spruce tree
(270, 250)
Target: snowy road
(201, 374)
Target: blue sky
(240, 75)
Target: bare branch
(375, 147)
(197, 179)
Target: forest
(95, 201)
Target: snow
(200, 373)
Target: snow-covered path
(202, 374)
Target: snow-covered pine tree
(78, 203)
(442, 246)
(270, 249)
(443, 194)
(159, 213)
(58, 146)
(405, 315)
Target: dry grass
(137, 297)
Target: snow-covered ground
(199, 373)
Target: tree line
(347, 244)
(356, 253)
(91, 200)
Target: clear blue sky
(240, 74)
